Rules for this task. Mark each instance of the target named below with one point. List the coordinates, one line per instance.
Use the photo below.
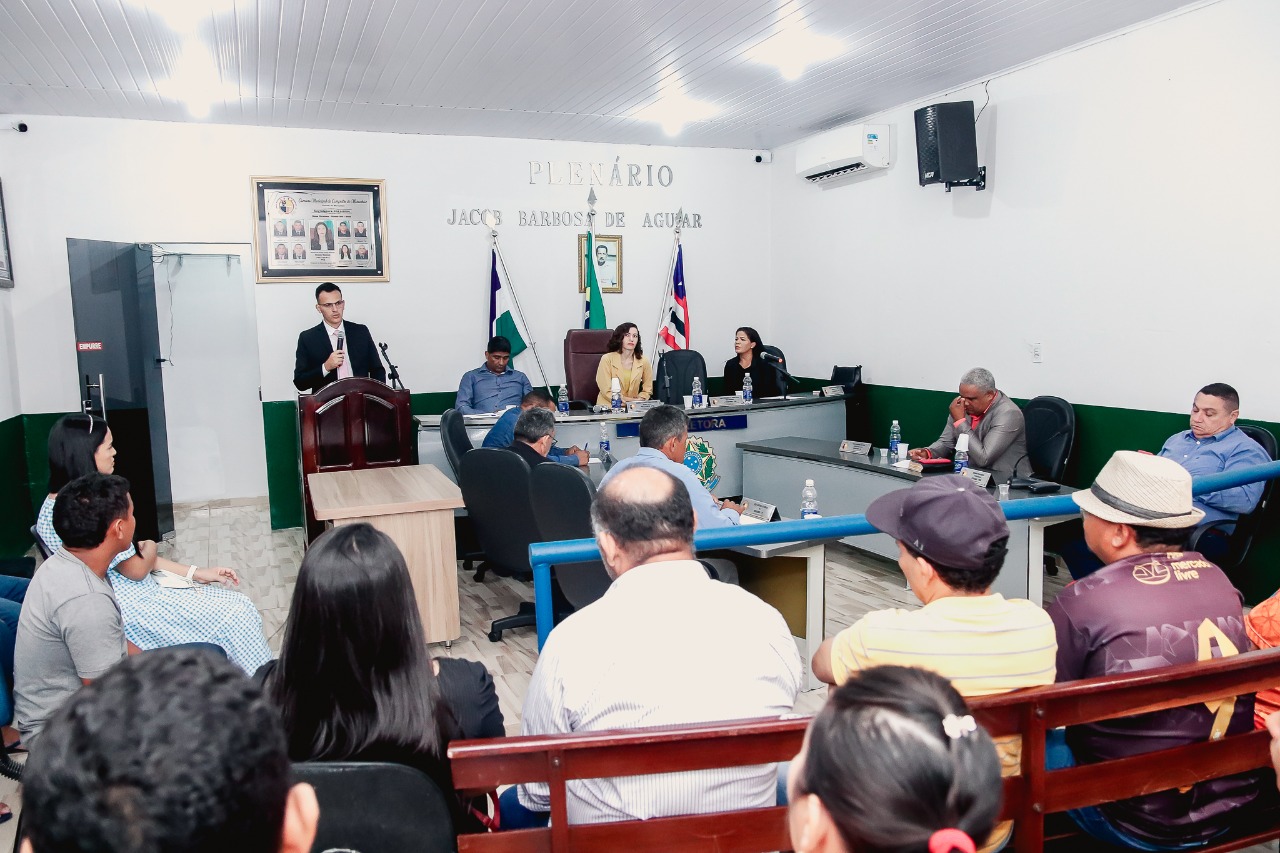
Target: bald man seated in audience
(504, 431)
(994, 423)
(609, 665)
(173, 751)
(952, 539)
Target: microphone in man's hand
(341, 339)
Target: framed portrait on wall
(6, 263)
(606, 259)
(320, 229)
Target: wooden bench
(484, 765)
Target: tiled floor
(239, 535)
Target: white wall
(9, 397)
(155, 182)
(1129, 225)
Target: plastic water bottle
(697, 392)
(808, 500)
(604, 440)
(562, 402)
(895, 436)
(746, 388)
(962, 452)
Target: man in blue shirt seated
(664, 431)
(495, 384)
(504, 431)
(1215, 444)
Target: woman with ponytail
(894, 763)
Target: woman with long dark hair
(154, 615)
(936, 785)
(625, 362)
(354, 681)
(747, 358)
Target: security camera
(21, 127)
(762, 157)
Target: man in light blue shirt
(503, 432)
(1215, 444)
(494, 385)
(664, 431)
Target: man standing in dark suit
(319, 359)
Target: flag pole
(671, 271)
(515, 300)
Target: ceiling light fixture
(673, 110)
(185, 15)
(793, 50)
(195, 82)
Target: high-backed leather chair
(582, 351)
(453, 435)
(375, 806)
(350, 425)
(562, 498)
(1240, 533)
(674, 377)
(1051, 435)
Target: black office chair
(1051, 436)
(562, 506)
(387, 808)
(674, 377)
(1239, 533)
(495, 489)
(849, 377)
(782, 379)
(453, 435)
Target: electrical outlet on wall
(1037, 355)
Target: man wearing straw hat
(1152, 605)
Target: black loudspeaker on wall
(947, 146)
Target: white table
(775, 470)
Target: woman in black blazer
(354, 681)
(747, 348)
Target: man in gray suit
(997, 432)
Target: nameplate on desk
(709, 423)
(857, 448)
(757, 512)
(833, 390)
(643, 405)
(982, 478)
(729, 400)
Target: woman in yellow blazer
(625, 360)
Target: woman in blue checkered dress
(154, 615)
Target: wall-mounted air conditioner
(842, 152)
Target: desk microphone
(768, 356)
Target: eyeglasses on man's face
(331, 305)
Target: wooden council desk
(414, 505)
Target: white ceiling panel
(555, 69)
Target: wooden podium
(352, 425)
(413, 505)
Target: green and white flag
(503, 318)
